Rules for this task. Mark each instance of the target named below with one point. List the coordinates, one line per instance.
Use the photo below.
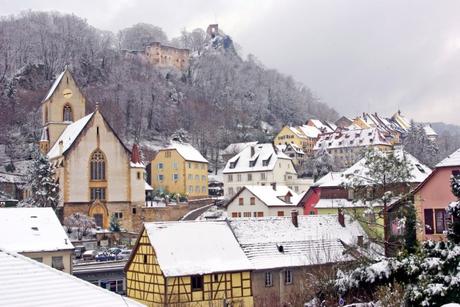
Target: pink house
(432, 196)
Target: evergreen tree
(417, 143)
(322, 164)
(114, 224)
(410, 236)
(45, 190)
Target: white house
(260, 201)
(260, 164)
(37, 234)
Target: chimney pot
(295, 218)
(341, 217)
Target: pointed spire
(97, 105)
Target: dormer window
(233, 163)
(420, 168)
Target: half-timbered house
(189, 264)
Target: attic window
(232, 164)
(420, 168)
(280, 248)
(35, 228)
(371, 140)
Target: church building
(97, 174)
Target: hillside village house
(180, 168)
(321, 125)
(26, 282)
(260, 201)
(288, 254)
(260, 164)
(432, 197)
(330, 192)
(303, 137)
(294, 152)
(97, 174)
(189, 264)
(36, 233)
(347, 146)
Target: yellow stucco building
(303, 136)
(188, 264)
(97, 174)
(180, 168)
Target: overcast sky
(357, 56)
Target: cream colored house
(98, 175)
(260, 164)
(37, 234)
(260, 201)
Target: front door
(98, 219)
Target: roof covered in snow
(274, 242)
(55, 85)
(194, 247)
(419, 171)
(324, 126)
(32, 230)
(351, 138)
(26, 282)
(331, 179)
(452, 160)
(68, 136)
(256, 158)
(271, 197)
(429, 131)
(236, 148)
(332, 203)
(187, 151)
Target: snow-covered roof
(6, 177)
(147, 186)
(273, 198)
(55, 85)
(331, 179)
(256, 158)
(274, 242)
(32, 230)
(195, 247)
(26, 282)
(351, 138)
(429, 131)
(451, 160)
(332, 203)
(290, 147)
(323, 126)
(236, 148)
(419, 171)
(187, 151)
(68, 136)
(309, 131)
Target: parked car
(114, 250)
(105, 256)
(89, 255)
(125, 253)
(79, 250)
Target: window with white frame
(262, 176)
(160, 165)
(160, 177)
(288, 277)
(230, 177)
(249, 177)
(268, 279)
(175, 177)
(238, 177)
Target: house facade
(303, 137)
(432, 197)
(180, 168)
(188, 264)
(97, 174)
(260, 201)
(36, 233)
(260, 164)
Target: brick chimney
(341, 217)
(295, 218)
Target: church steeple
(63, 104)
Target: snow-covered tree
(114, 224)
(417, 143)
(80, 223)
(180, 136)
(374, 182)
(322, 163)
(45, 190)
(430, 277)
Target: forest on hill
(221, 98)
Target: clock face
(67, 93)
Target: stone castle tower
(63, 104)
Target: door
(98, 219)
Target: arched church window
(68, 113)
(97, 165)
